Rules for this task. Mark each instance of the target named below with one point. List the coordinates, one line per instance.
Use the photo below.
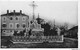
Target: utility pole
(54, 23)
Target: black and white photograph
(39, 24)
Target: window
(4, 25)
(4, 18)
(23, 25)
(11, 18)
(10, 30)
(17, 25)
(10, 25)
(16, 18)
(4, 31)
(23, 18)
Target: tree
(62, 29)
(46, 27)
(39, 20)
(66, 26)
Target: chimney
(14, 11)
(7, 11)
(20, 11)
(38, 15)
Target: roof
(12, 14)
(76, 27)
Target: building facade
(13, 21)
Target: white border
(38, 0)
(52, 0)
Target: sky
(61, 11)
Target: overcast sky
(61, 11)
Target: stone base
(34, 39)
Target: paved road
(71, 39)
